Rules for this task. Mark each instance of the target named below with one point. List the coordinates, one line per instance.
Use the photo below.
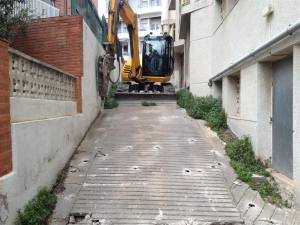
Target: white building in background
(152, 17)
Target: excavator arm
(122, 8)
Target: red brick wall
(64, 7)
(5, 127)
(58, 42)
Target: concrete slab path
(153, 165)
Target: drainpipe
(288, 31)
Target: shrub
(243, 160)
(184, 98)
(37, 209)
(206, 108)
(216, 120)
(110, 101)
(201, 106)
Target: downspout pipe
(288, 31)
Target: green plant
(37, 209)
(14, 17)
(110, 101)
(243, 161)
(148, 103)
(216, 120)
(207, 108)
(184, 98)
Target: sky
(101, 9)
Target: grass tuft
(37, 210)
(148, 103)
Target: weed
(184, 98)
(37, 209)
(148, 103)
(207, 108)
(216, 120)
(110, 100)
(60, 177)
(243, 161)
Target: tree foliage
(14, 17)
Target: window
(144, 25)
(155, 23)
(155, 3)
(154, 26)
(144, 4)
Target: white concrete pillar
(229, 95)
(264, 111)
(296, 126)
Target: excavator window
(158, 55)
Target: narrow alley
(146, 165)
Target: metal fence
(98, 26)
(90, 15)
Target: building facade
(247, 52)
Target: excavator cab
(158, 55)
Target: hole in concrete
(79, 218)
(73, 170)
(251, 205)
(86, 160)
(219, 164)
(213, 167)
(187, 171)
(135, 167)
(199, 171)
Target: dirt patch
(227, 135)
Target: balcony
(42, 9)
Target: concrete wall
(41, 147)
(222, 33)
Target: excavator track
(137, 93)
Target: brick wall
(58, 42)
(5, 127)
(64, 7)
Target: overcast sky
(101, 9)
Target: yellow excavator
(144, 79)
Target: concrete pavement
(156, 165)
